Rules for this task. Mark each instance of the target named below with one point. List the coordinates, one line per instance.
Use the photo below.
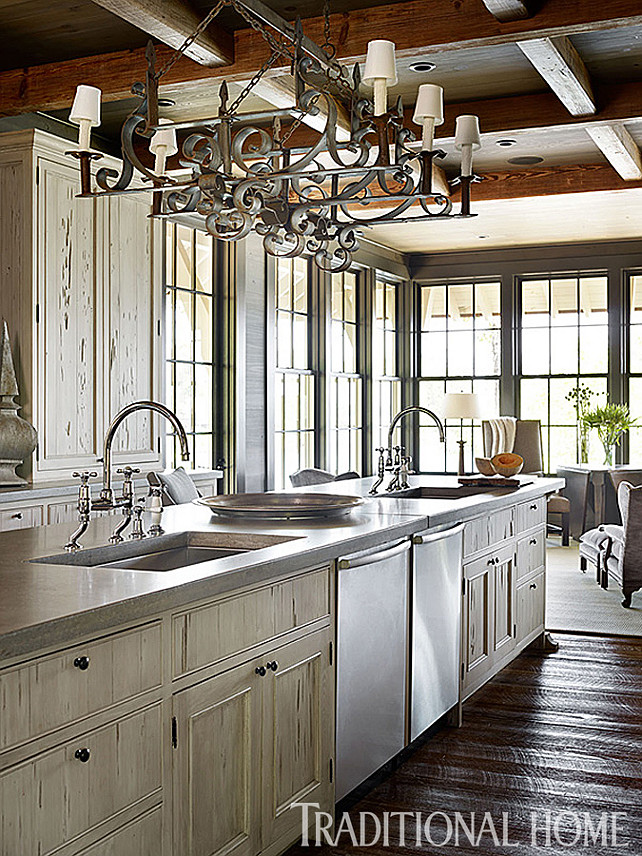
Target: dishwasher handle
(361, 559)
(431, 537)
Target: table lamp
(462, 405)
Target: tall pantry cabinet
(81, 290)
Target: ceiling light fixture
(526, 160)
(506, 144)
(422, 66)
(244, 172)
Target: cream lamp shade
(85, 112)
(380, 62)
(467, 132)
(430, 104)
(162, 145)
(462, 405)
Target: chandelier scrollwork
(243, 172)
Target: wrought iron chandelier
(239, 173)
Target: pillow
(179, 486)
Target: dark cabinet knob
(490, 562)
(260, 670)
(534, 507)
(533, 585)
(17, 515)
(533, 541)
(82, 755)
(81, 663)
(273, 665)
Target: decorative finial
(8, 383)
(17, 437)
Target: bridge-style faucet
(392, 459)
(107, 501)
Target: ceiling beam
(563, 69)
(619, 148)
(507, 10)
(418, 28)
(171, 22)
(551, 181)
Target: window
(345, 383)
(459, 351)
(386, 383)
(564, 343)
(294, 416)
(635, 365)
(189, 326)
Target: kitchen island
(134, 702)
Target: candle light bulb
(467, 140)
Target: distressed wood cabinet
(81, 290)
(504, 589)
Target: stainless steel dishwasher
(372, 648)
(436, 626)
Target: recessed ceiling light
(422, 65)
(526, 160)
(289, 8)
(505, 144)
(482, 237)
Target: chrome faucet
(107, 501)
(393, 459)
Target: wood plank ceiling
(560, 80)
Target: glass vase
(609, 450)
(584, 446)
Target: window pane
(564, 302)
(594, 350)
(204, 262)
(487, 305)
(488, 352)
(203, 399)
(535, 353)
(433, 307)
(184, 325)
(564, 350)
(203, 330)
(184, 256)
(534, 399)
(535, 303)
(460, 353)
(593, 300)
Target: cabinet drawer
(476, 535)
(20, 518)
(62, 512)
(531, 553)
(500, 526)
(213, 632)
(57, 796)
(67, 686)
(142, 837)
(530, 607)
(530, 514)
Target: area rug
(576, 603)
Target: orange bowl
(507, 464)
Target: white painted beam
(562, 68)
(507, 10)
(171, 22)
(619, 148)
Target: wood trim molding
(172, 21)
(563, 69)
(550, 181)
(415, 26)
(619, 148)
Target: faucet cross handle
(128, 472)
(128, 488)
(84, 476)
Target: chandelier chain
(191, 38)
(299, 120)
(327, 45)
(269, 62)
(279, 46)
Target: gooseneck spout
(414, 408)
(106, 494)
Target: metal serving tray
(281, 506)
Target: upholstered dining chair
(620, 547)
(528, 445)
(311, 475)
(177, 486)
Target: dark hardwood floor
(558, 733)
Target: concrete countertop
(45, 605)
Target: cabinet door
(131, 273)
(530, 608)
(477, 622)
(298, 700)
(504, 602)
(67, 418)
(217, 765)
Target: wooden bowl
(507, 464)
(485, 466)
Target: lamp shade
(467, 132)
(430, 104)
(462, 405)
(166, 139)
(380, 62)
(86, 106)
